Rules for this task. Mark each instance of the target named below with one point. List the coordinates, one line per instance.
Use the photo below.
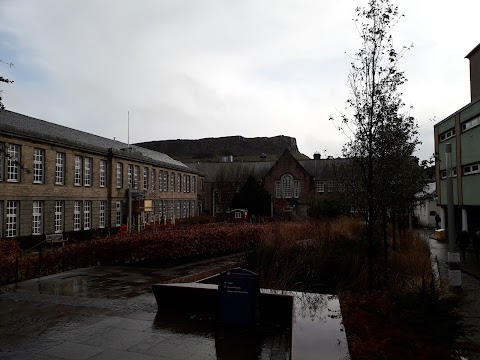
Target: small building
(427, 207)
(239, 215)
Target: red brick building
(292, 183)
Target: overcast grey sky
(194, 69)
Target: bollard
(16, 271)
(39, 261)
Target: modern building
(55, 179)
(292, 183)
(462, 131)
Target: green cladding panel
(443, 192)
(470, 112)
(441, 152)
(446, 125)
(471, 146)
(471, 189)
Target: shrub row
(149, 247)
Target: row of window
(79, 208)
(467, 125)
(467, 170)
(471, 123)
(82, 213)
(10, 161)
(320, 186)
(83, 172)
(447, 135)
(189, 181)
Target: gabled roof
(318, 169)
(210, 170)
(471, 53)
(12, 123)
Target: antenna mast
(128, 128)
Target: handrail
(19, 256)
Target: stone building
(292, 183)
(462, 131)
(55, 179)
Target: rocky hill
(212, 149)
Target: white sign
(455, 277)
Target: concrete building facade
(54, 179)
(462, 131)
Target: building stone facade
(55, 179)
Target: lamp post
(454, 272)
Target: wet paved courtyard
(110, 313)
(102, 313)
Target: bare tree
(4, 80)
(380, 135)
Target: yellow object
(440, 234)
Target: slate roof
(21, 125)
(321, 169)
(257, 168)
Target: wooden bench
(54, 239)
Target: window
(287, 186)
(154, 178)
(13, 163)
(118, 215)
(12, 218)
(37, 218)
(145, 178)
(130, 171)
(86, 214)
(471, 123)
(179, 182)
(447, 135)
(88, 172)
(38, 159)
(278, 189)
(119, 175)
(101, 214)
(443, 174)
(136, 174)
(341, 187)
(76, 215)
(2, 162)
(184, 183)
(103, 173)
(78, 170)
(331, 186)
(160, 180)
(172, 181)
(58, 217)
(60, 168)
(471, 169)
(188, 183)
(194, 184)
(238, 215)
(320, 186)
(192, 208)
(296, 189)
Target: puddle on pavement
(268, 341)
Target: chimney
(317, 156)
(474, 57)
